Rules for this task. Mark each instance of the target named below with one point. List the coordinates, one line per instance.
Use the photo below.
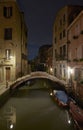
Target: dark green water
(33, 109)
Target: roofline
(81, 13)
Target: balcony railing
(61, 57)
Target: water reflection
(33, 109)
(8, 118)
(68, 117)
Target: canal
(30, 107)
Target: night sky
(39, 17)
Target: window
(64, 18)
(7, 12)
(60, 22)
(76, 74)
(61, 69)
(64, 50)
(55, 40)
(64, 33)
(60, 35)
(55, 53)
(25, 45)
(64, 70)
(55, 28)
(77, 30)
(8, 34)
(60, 51)
(7, 54)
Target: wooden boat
(77, 113)
(60, 97)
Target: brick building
(49, 60)
(63, 19)
(75, 53)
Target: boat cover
(62, 96)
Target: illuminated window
(7, 54)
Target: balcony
(61, 57)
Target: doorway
(8, 73)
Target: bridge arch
(34, 75)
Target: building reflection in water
(10, 117)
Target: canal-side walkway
(4, 87)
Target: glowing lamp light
(11, 57)
(11, 126)
(50, 94)
(51, 70)
(69, 122)
(70, 71)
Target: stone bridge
(34, 75)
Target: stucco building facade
(13, 41)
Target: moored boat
(77, 113)
(60, 97)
